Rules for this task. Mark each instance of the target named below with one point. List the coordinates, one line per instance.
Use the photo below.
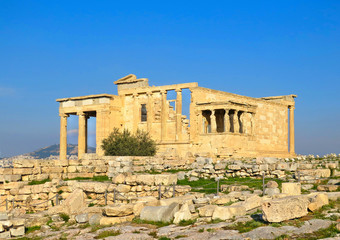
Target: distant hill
(53, 150)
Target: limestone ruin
(221, 124)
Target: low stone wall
(306, 170)
(91, 165)
(123, 189)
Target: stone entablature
(220, 124)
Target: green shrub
(64, 216)
(127, 144)
(32, 229)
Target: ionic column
(86, 137)
(226, 121)
(63, 137)
(136, 118)
(213, 121)
(164, 115)
(236, 124)
(179, 115)
(291, 130)
(149, 112)
(81, 134)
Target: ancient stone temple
(221, 124)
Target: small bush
(32, 229)
(64, 216)
(127, 144)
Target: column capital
(291, 107)
(178, 90)
(65, 115)
(135, 95)
(149, 93)
(163, 91)
(81, 113)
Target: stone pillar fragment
(164, 115)
(81, 134)
(213, 121)
(63, 137)
(179, 136)
(291, 130)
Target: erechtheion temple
(221, 124)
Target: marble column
(226, 121)
(291, 130)
(149, 112)
(213, 121)
(63, 137)
(136, 112)
(179, 115)
(236, 124)
(164, 115)
(81, 134)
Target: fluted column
(291, 130)
(63, 137)
(164, 115)
(86, 136)
(213, 121)
(179, 115)
(149, 112)
(236, 124)
(226, 121)
(81, 134)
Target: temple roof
(131, 78)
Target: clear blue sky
(55, 49)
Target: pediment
(131, 78)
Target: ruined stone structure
(221, 124)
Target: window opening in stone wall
(90, 132)
(206, 121)
(186, 100)
(219, 114)
(72, 132)
(143, 113)
(240, 122)
(171, 98)
(231, 120)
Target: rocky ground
(323, 224)
(298, 200)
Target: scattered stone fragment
(159, 213)
(328, 188)
(278, 210)
(183, 214)
(225, 213)
(82, 218)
